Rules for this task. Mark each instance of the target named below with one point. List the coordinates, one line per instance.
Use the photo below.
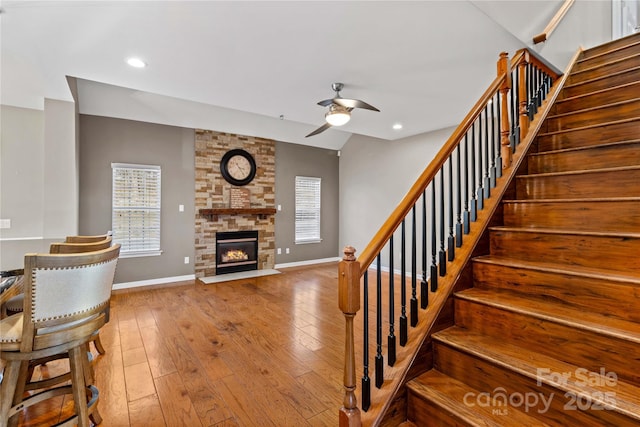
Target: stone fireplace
(213, 193)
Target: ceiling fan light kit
(337, 115)
(339, 109)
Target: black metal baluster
(493, 174)
(539, 86)
(379, 358)
(459, 224)
(424, 290)
(366, 381)
(442, 254)
(451, 247)
(403, 290)
(499, 142)
(473, 202)
(514, 107)
(391, 339)
(466, 215)
(487, 180)
(480, 190)
(530, 92)
(414, 299)
(433, 277)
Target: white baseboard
(307, 262)
(151, 282)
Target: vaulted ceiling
(260, 67)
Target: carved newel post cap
(349, 253)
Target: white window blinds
(135, 218)
(307, 209)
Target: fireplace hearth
(236, 251)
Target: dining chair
(66, 296)
(13, 302)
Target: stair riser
(596, 99)
(610, 156)
(589, 293)
(487, 377)
(593, 59)
(428, 414)
(616, 215)
(610, 46)
(581, 348)
(630, 76)
(627, 110)
(603, 70)
(596, 135)
(615, 183)
(606, 252)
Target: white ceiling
(239, 65)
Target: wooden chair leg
(76, 362)
(98, 344)
(9, 383)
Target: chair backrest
(75, 248)
(66, 296)
(86, 239)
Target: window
(135, 216)
(307, 209)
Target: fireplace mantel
(214, 212)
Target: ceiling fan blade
(353, 103)
(326, 102)
(319, 130)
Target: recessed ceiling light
(136, 62)
(397, 126)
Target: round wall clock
(238, 167)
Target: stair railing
(431, 224)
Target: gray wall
(37, 179)
(293, 160)
(375, 175)
(105, 140)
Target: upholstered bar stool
(65, 301)
(13, 301)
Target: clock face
(238, 167)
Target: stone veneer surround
(212, 191)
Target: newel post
(349, 303)
(505, 143)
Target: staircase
(549, 333)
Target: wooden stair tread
(595, 67)
(449, 393)
(584, 110)
(576, 200)
(595, 79)
(599, 91)
(587, 57)
(554, 312)
(566, 231)
(580, 172)
(572, 270)
(527, 363)
(599, 125)
(587, 147)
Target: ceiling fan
(339, 109)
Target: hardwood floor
(256, 352)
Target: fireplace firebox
(236, 251)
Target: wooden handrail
(351, 269)
(391, 224)
(544, 35)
